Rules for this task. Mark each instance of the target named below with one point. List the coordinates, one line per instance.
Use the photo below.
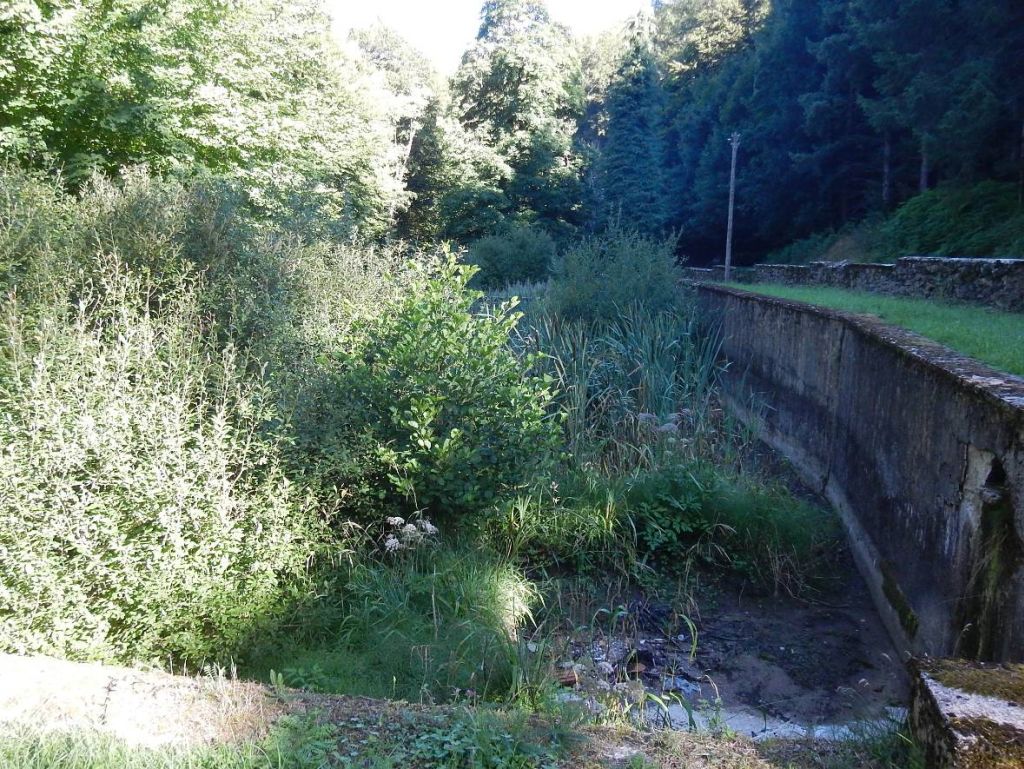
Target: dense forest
(846, 110)
(268, 399)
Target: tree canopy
(846, 109)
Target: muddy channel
(762, 666)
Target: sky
(443, 30)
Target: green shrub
(143, 511)
(982, 220)
(520, 255)
(428, 406)
(696, 512)
(32, 224)
(601, 276)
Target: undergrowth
(981, 220)
(344, 470)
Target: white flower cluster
(408, 536)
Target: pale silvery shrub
(143, 513)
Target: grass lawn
(991, 336)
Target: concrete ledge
(968, 715)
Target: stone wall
(920, 450)
(993, 282)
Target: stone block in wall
(876, 278)
(968, 715)
(785, 274)
(994, 282)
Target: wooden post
(887, 172)
(734, 140)
(922, 181)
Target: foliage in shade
(602, 275)
(516, 255)
(841, 104)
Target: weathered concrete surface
(992, 282)
(969, 715)
(919, 449)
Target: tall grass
(432, 624)
(653, 475)
(633, 387)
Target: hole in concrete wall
(996, 555)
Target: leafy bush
(143, 511)
(601, 276)
(522, 254)
(427, 405)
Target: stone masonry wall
(993, 282)
(919, 449)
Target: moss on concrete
(988, 745)
(898, 601)
(1004, 682)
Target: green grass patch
(991, 336)
(430, 624)
(478, 738)
(292, 744)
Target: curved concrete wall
(919, 449)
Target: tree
(852, 165)
(406, 83)
(456, 179)
(256, 92)
(631, 181)
(519, 89)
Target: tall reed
(634, 387)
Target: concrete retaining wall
(919, 449)
(993, 282)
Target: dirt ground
(139, 707)
(809, 663)
(776, 666)
(151, 708)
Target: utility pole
(734, 140)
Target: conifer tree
(631, 181)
